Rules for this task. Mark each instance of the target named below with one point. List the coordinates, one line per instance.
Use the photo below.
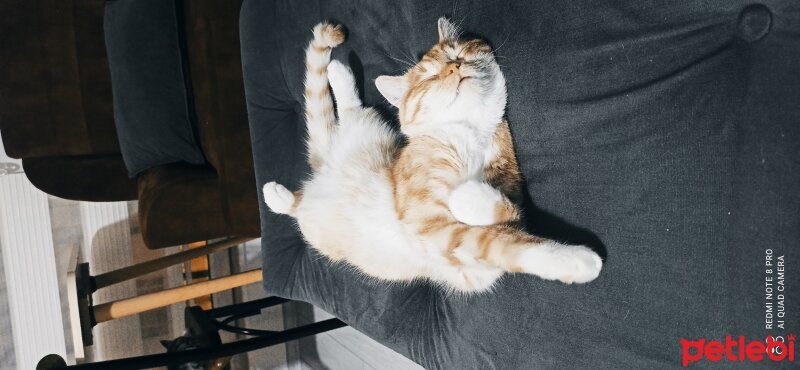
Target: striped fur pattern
(319, 103)
(442, 207)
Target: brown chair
(56, 115)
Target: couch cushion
(665, 133)
(153, 107)
(212, 37)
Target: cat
(439, 205)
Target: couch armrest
(88, 178)
(212, 36)
(180, 203)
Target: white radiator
(30, 271)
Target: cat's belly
(347, 210)
(356, 222)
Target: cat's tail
(513, 250)
(320, 119)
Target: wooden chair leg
(131, 306)
(139, 269)
(81, 285)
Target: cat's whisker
(410, 56)
(461, 24)
(462, 19)
(405, 62)
(503, 43)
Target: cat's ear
(393, 88)
(447, 30)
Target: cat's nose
(451, 68)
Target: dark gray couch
(665, 134)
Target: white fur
(475, 203)
(344, 86)
(278, 198)
(335, 203)
(347, 208)
(566, 263)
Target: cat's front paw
(475, 203)
(340, 75)
(278, 198)
(566, 263)
(343, 84)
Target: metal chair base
(204, 327)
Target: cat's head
(457, 80)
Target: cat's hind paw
(278, 198)
(475, 203)
(566, 263)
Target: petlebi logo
(738, 349)
(777, 347)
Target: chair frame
(202, 325)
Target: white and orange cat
(437, 206)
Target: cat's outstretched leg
(516, 251)
(279, 199)
(566, 263)
(509, 249)
(343, 84)
(477, 203)
(320, 119)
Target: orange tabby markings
(385, 208)
(434, 224)
(457, 237)
(484, 239)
